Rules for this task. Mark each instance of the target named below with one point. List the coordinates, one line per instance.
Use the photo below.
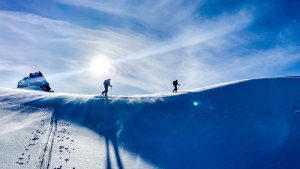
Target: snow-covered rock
(35, 81)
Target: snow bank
(247, 124)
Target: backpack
(106, 82)
(175, 83)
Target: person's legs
(105, 91)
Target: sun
(100, 65)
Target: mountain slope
(248, 124)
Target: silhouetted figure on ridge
(175, 84)
(106, 84)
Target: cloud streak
(171, 42)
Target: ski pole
(110, 91)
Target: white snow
(242, 124)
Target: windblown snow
(247, 124)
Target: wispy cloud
(153, 13)
(170, 43)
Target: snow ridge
(248, 124)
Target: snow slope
(247, 124)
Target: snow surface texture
(245, 125)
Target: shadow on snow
(251, 124)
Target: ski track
(37, 134)
(46, 147)
(47, 128)
(54, 124)
(49, 133)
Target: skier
(175, 84)
(106, 83)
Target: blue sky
(147, 43)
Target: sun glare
(100, 66)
